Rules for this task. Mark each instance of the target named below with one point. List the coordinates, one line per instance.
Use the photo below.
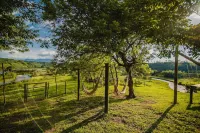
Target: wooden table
(192, 88)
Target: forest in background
(166, 69)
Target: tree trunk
(113, 79)
(116, 76)
(130, 83)
(125, 84)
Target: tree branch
(190, 59)
(116, 60)
(130, 44)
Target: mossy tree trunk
(130, 83)
(128, 66)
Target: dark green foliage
(170, 74)
(163, 66)
(15, 34)
(193, 41)
(9, 75)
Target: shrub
(9, 75)
(170, 74)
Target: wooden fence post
(25, 92)
(106, 87)
(45, 90)
(78, 85)
(48, 90)
(4, 82)
(191, 94)
(65, 87)
(176, 74)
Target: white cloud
(27, 22)
(32, 27)
(43, 38)
(47, 22)
(32, 54)
(47, 53)
(195, 18)
(15, 13)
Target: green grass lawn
(190, 81)
(150, 111)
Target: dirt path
(180, 88)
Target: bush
(138, 82)
(170, 74)
(9, 75)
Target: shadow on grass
(194, 108)
(23, 122)
(74, 109)
(69, 111)
(159, 120)
(14, 128)
(95, 117)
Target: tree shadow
(194, 108)
(95, 117)
(23, 122)
(74, 108)
(62, 110)
(159, 120)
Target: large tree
(116, 28)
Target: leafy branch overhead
(15, 33)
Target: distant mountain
(37, 60)
(25, 64)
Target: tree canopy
(120, 29)
(15, 34)
(102, 26)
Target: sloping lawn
(151, 111)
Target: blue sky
(36, 52)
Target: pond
(22, 78)
(19, 78)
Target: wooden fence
(45, 86)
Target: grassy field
(151, 111)
(190, 81)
